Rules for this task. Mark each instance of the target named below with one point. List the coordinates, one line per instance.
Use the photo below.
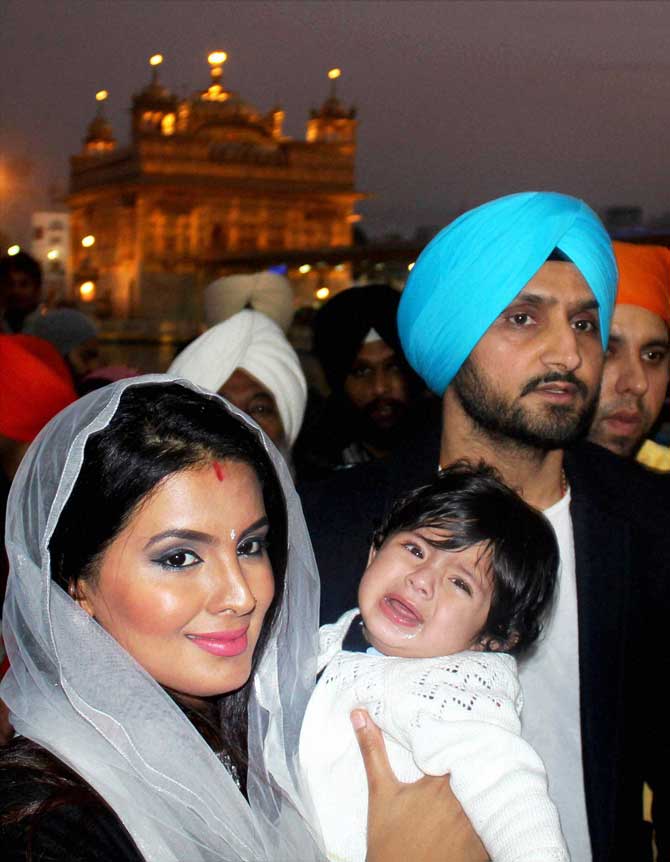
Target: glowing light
(322, 293)
(304, 269)
(13, 249)
(88, 240)
(101, 95)
(168, 124)
(410, 266)
(53, 253)
(156, 60)
(87, 290)
(334, 74)
(216, 58)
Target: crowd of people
(482, 542)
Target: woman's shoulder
(50, 813)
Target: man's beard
(384, 436)
(624, 445)
(553, 427)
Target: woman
(79, 503)
(159, 560)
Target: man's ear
(372, 554)
(80, 592)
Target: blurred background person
(36, 384)
(267, 292)
(104, 375)
(73, 334)
(637, 362)
(20, 290)
(375, 396)
(249, 361)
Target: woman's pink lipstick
(222, 643)
(400, 611)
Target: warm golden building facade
(207, 184)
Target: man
(267, 292)
(637, 364)
(249, 361)
(20, 290)
(73, 334)
(505, 316)
(373, 390)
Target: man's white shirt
(550, 681)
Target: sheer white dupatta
(73, 689)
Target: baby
(459, 578)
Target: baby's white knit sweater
(457, 714)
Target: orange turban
(644, 277)
(36, 384)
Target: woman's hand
(423, 821)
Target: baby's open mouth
(400, 611)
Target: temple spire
(99, 136)
(155, 61)
(216, 92)
(334, 74)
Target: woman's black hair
(159, 430)
(471, 505)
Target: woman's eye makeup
(254, 546)
(178, 558)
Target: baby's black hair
(471, 505)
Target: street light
(217, 58)
(334, 74)
(322, 293)
(101, 95)
(52, 254)
(13, 249)
(88, 240)
(155, 60)
(304, 269)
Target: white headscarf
(252, 342)
(267, 292)
(74, 690)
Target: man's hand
(423, 821)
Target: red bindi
(218, 470)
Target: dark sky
(458, 101)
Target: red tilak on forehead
(218, 469)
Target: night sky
(458, 101)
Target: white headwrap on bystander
(266, 291)
(251, 341)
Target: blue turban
(470, 272)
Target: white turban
(251, 341)
(266, 291)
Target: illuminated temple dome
(99, 135)
(207, 185)
(332, 121)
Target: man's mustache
(377, 403)
(556, 377)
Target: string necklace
(564, 479)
